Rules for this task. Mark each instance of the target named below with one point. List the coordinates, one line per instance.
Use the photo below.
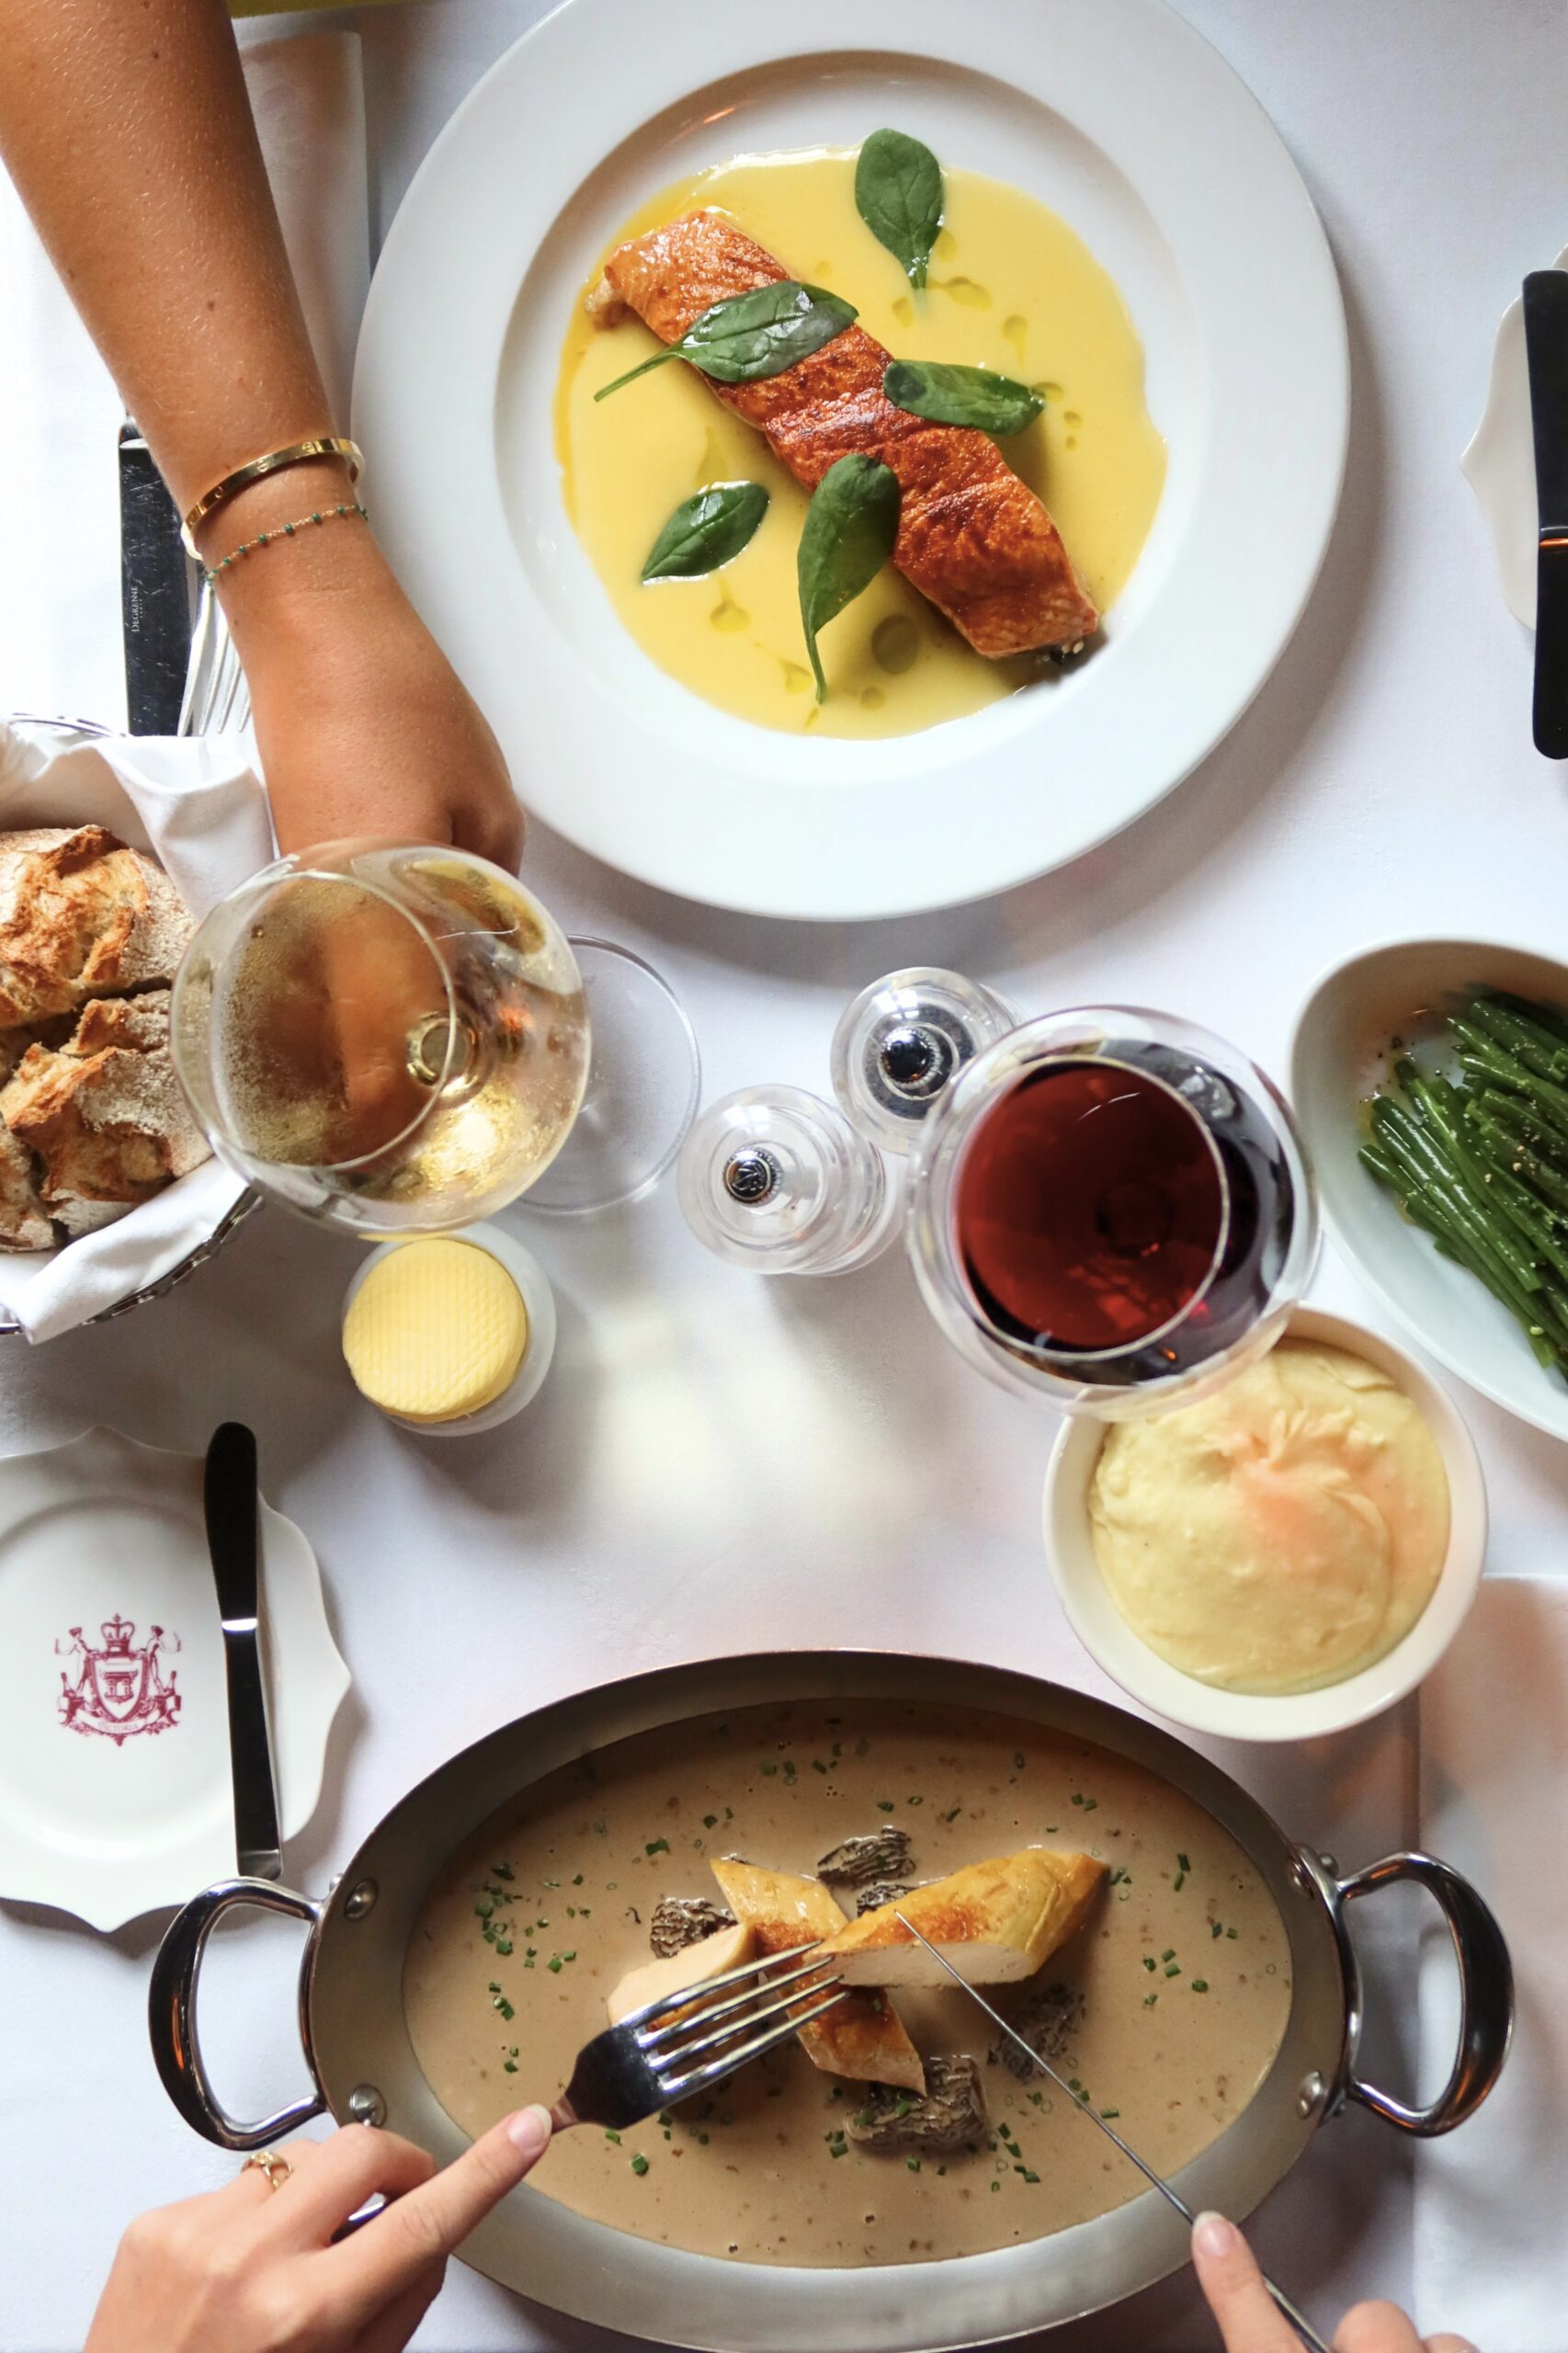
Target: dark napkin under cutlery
(1546, 351)
(234, 1540)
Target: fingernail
(529, 2132)
(1213, 2236)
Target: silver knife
(154, 592)
(1546, 351)
(232, 1540)
(1301, 2326)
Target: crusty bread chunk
(863, 2036)
(24, 1220)
(82, 915)
(993, 1921)
(103, 1113)
(656, 1981)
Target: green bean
(1409, 1144)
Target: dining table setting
(982, 1235)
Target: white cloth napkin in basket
(1494, 1767)
(199, 808)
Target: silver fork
(691, 2041)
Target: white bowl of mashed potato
(1285, 1558)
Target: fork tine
(699, 2011)
(675, 2054)
(717, 2070)
(683, 1998)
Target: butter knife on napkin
(232, 1540)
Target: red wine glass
(1111, 1209)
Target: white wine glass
(385, 1036)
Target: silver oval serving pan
(358, 2049)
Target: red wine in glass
(1127, 1210)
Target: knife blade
(1297, 2319)
(1546, 353)
(154, 592)
(232, 1523)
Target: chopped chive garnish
(954, 1815)
(654, 1847)
(913, 2164)
(916, 1800)
(1182, 1863)
(500, 1870)
(710, 1822)
(555, 1964)
(1174, 1969)
(640, 2163)
(1110, 2111)
(1232, 1934)
(1150, 2000)
(612, 2136)
(770, 1768)
(1148, 1964)
(1200, 1985)
(568, 1956)
(817, 1765)
(1169, 1953)
(884, 1805)
(1017, 1760)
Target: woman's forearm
(126, 128)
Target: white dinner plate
(115, 1789)
(1120, 117)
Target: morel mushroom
(1046, 2018)
(880, 1892)
(951, 2115)
(877, 1854)
(682, 1920)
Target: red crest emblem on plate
(120, 1687)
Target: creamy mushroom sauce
(1184, 1967)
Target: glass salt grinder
(775, 1179)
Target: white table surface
(718, 1463)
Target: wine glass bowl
(1111, 1209)
(384, 1037)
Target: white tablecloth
(718, 1463)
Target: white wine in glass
(384, 1037)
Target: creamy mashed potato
(1284, 1532)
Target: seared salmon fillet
(971, 536)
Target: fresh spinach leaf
(949, 394)
(754, 334)
(706, 530)
(850, 528)
(898, 191)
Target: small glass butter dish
(448, 1334)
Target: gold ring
(268, 2161)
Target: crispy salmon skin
(971, 536)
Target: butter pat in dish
(1366, 1676)
(450, 1335)
(1281, 1533)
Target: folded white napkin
(1491, 2251)
(200, 809)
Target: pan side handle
(171, 2014)
(1486, 1994)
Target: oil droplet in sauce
(1050, 392)
(871, 697)
(945, 245)
(1015, 331)
(1072, 441)
(895, 644)
(965, 290)
(627, 463)
(1071, 419)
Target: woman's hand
(1251, 2322)
(364, 729)
(251, 2268)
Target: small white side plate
(1499, 464)
(115, 1788)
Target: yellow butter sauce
(1012, 287)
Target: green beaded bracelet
(211, 572)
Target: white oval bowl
(1251, 1715)
(1342, 1033)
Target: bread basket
(233, 1217)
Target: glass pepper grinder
(900, 1043)
(775, 1179)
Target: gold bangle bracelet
(326, 445)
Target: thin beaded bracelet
(284, 531)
